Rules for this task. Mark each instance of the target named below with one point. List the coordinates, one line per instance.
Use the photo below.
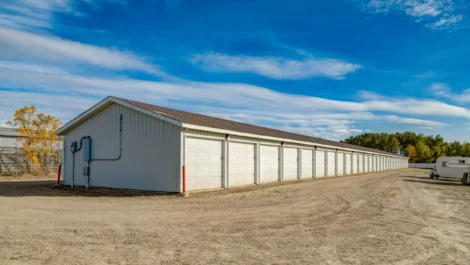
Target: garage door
(331, 164)
(203, 164)
(340, 164)
(269, 163)
(370, 163)
(241, 164)
(320, 164)
(360, 165)
(366, 163)
(354, 164)
(307, 163)
(347, 163)
(290, 165)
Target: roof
(184, 118)
(8, 131)
(218, 123)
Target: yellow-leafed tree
(37, 134)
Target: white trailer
(452, 167)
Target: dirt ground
(395, 217)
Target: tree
(411, 153)
(427, 148)
(37, 134)
(423, 152)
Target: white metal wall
(150, 151)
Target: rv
(452, 167)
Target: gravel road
(394, 217)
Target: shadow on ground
(442, 182)
(49, 188)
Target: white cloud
(240, 102)
(446, 22)
(41, 13)
(20, 45)
(29, 67)
(396, 119)
(233, 94)
(273, 67)
(444, 90)
(438, 14)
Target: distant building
(9, 138)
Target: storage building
(119, 143)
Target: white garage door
(347, 163)
(369, 159)
(366, 163)
(290, 165)
(269, 163)
(320, 164)
(354, 165)
(203, 164)
(331, 164)
(241, 164)
(307, 163)
(360, 163)
(340, 164)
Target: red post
(58, 174)
(184, 179)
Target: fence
(422, 165)
(13, 162)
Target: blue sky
(329, 69)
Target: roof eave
(103, 104)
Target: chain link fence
(13, 162)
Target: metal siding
(8, 141)
(150, 151)
(320, 163)
(307, 163)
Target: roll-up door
(291, 163)
(331, 164)
(241, 164)
(320, 164)
(360, 166)
(307, 163)
(347, 163)
(269, 163)
(366, 163)
(370, 163)
(340, 164)
(203, 163)
(354, 164)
